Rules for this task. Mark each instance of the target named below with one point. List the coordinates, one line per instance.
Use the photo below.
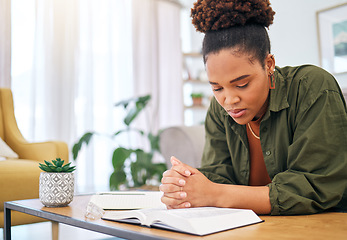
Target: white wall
(294, 32)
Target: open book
(198, 221)
(119, 200)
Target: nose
(231, 99)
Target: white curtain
(158, 59)
(105, 77)
(87, 55)
(5, 43)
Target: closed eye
(217, 89)
(242, 86)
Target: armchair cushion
(19, 179)
(6, 151)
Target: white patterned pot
(56, 189)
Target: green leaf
(154, 140)
(140, 104)
(67, 168)
(119, 156)
(144, 99)
(120, 131)
(67, 165)
(136, 173)
(139, 131)
(139, 169)
(71, 169)
(48, 163)
(132, 114)
(59, 162)
(44, 168)
(158, 169)
(77, 146)
(124, 103)
(117, 178)
(143, 158)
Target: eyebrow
(231, 81)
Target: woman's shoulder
(308, 75)
(306, 83)
(308, 78)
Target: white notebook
(121, 200)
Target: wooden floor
(42, 231)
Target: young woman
(276, 138)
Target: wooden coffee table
(332, 225)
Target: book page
(202, 212)
(203, 220)
(198, 221)
(128, 200)
(135, 216)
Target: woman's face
(240, 86)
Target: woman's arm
(184, 186)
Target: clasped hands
(184, 186)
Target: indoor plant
(142, 168)
(197, 98)
(56, 183)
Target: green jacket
(303, 136)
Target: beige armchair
(19, 178)
(184, 142)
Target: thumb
(184, 168)
(174, 161)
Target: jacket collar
(278, 96)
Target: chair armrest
(40, 151)
(34, 151)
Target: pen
(122, 194)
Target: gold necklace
(249, 126)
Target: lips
(236, 113)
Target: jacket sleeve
(316, 175)
(216, 164)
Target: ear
(270, 64)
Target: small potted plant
(56, 183)
(197, 98)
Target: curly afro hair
(209, 15)
(237, 24)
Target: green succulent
(56, 166)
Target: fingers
(173, 196)
(176, 195)
(183, 171)
(182, 205)
(173, 180)
(181, 168)
(173, 203)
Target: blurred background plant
(138, 161)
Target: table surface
(329, 225)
